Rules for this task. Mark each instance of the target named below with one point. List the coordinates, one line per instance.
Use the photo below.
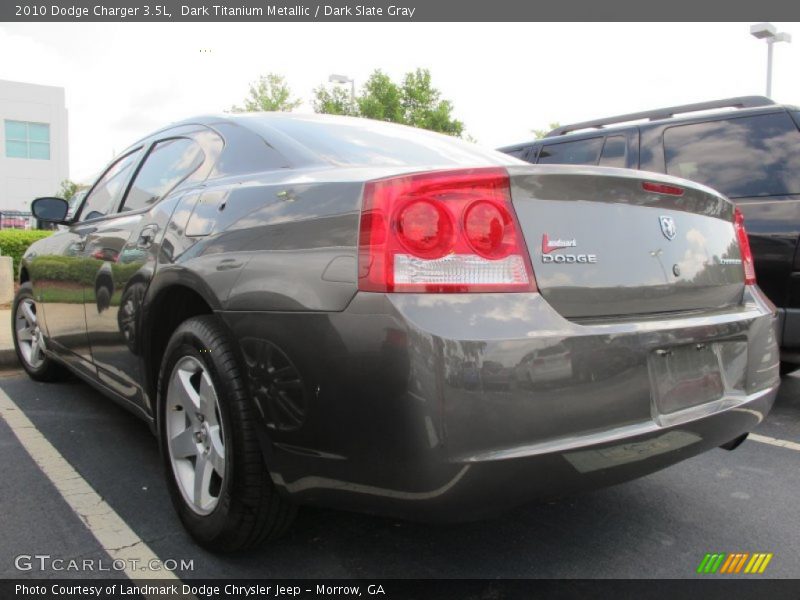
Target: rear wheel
(29, 339)
(216, 474)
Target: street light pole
(770, 44)
(768, 33)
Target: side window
(166, 165)
(109, 189)
(520, 153)
(614, 152)
(579, 152)
(75, 203)
(740, 157)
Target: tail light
(744, 248)
(446, 231)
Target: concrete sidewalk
(8, 358)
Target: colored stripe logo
(734, 563)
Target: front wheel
(29, 341)
(216, 474)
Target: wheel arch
(171, 298)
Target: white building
(34, 157)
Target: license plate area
(686, 376)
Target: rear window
(578, 152)
(363, 142)
(741, 157)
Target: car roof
(653, 119)
(246, 120)
(310, 140)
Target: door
(61, 273)
(125, 247)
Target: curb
(8, 358)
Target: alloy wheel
(29, 337)
(195, 437)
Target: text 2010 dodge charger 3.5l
(340, 312)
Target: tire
(29, 341)
(237, 506)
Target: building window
(27, 140)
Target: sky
(123, 80)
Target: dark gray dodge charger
(341, 312)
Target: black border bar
(33, 11)
(710, 588)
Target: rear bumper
(484, 485)
(431, 406)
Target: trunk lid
(603, 246)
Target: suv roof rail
(666, 113)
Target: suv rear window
(578, 152)
(741, 157)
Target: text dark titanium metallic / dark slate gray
(390, 320)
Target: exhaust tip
(735, 442)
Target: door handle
(147, 236)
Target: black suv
(748, 148)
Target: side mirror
(51, 210)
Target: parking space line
(764, 439)
(113, 534)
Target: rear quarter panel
(275, 241)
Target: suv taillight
(445, 231)
(744, 248)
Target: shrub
(14, 242)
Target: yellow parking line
(765, 439)
(113, 534)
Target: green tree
(413, 102)
(334, 101)
(540, 133)
(269, 93)
(423, 106)
(68, 189)
(381, 99)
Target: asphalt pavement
(658, 526)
